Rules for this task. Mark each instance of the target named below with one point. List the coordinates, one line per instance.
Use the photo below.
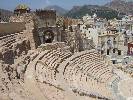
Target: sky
(37, 4)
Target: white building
(92, 27)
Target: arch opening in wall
(48, 36)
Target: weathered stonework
(54, 62)
(29, 24)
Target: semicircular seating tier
(84, 73)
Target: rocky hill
(59, 10)
(121, 6)
(101, 11)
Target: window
(107, 51)
(114, 50)
(119, 52)
(114, 61)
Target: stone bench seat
(10, 40)
(9, 43)
(84, 72)
(7, 36)
(105, 77)
(63, 55)
(100, 88)
(71, 71)
(89, 85)
(100, 74)
(95, 68)
(84, 54)
(86, 58)
(7, 40)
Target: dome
(22, 6)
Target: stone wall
(29, 32)
(47, 17)
(14, 27)
(76, 40)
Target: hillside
(101, 11)
(59, 10)
(5, 14)
(121, 6)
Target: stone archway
(48, 36)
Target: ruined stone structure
(36, 31)
(47, 17)
(13, 41)
(29, 32)
(52, 72)
(46, 26)
(46, 62)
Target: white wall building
(92, 27)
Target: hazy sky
(34, 4)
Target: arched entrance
(48, 36)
